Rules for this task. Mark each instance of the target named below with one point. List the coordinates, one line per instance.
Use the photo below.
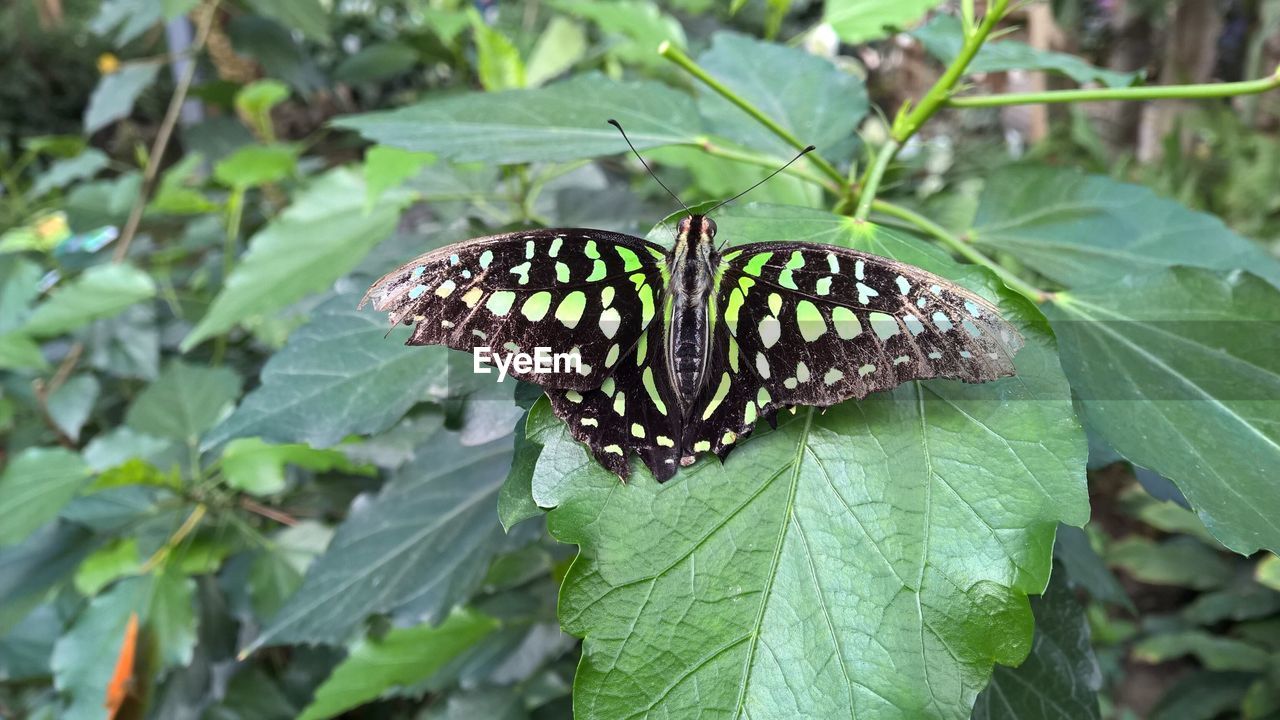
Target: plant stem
(906, 125)
(686, 63)
(911, 118)
(230, 244)
(960, 247)
(764, 161)
(875, 174)
(165, 133)
(1155, 92)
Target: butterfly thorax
(692, 269)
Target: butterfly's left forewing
(588, 294)
(804, 324)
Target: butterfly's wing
(634, 410)
(589, 293)
(809, 324)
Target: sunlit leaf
(320, 237)
(857, 21)
(401, 657)
(872, 559)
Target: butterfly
(681, 352)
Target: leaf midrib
(801, 444)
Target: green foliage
(311, 519)
(857, 21)
(942, 36)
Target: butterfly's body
(692, 267)
(684, 350)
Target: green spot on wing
(536, 307)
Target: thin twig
(43, 390)
(165, 134)
(258, 508)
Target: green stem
(686, 63)
(764, 161)
(907, 124)
(1155, 92)
(911, 118)
(230, 242)
(875, 175)
(960, 247)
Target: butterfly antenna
(652, 174)
(767, 179)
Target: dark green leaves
(184, 402)
(813, 99)
(942, 37)
(563, 121)
(1081, 229)
(743, 578)
(101, 291)
(415, 550)
(1180, 371)
(339, 374)
(1059, 680)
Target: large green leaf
(857, 21)
(401, 657)
(184, 402)
(339, 374)
(1179, 370)
(873, 560)
(819, 103)
(562, 121)
(1059, 680)
(101, 291)
(1080, 229)
(943, 37)
(417, 549)
(318, 239)
(35, 485)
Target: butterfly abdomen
(689, 335)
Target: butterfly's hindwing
(816, 325)
(634, 410)
(587, 293)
